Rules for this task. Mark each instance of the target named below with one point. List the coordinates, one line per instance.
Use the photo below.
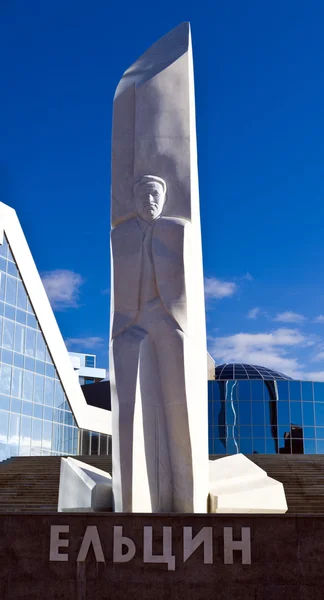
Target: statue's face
(149, 200)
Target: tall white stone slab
(158, 336)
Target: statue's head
(149, 197)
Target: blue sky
(260, 125)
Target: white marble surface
(237, 485)
(83, 488)
(158, 335)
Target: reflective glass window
(29, 363)
(27, 408)
(7, 356)
(257, 412)
(17, 380)
(20, 334)
(257, 390)
(48, 356)
(38, 411)
(218, 392)
(12, 269)
(319, 431)
(89, 361)
(309, 432)
(21, 316)
(28, 385)
(259, 446)
(23, 358)
(258, 431)
(308, 413)
(94, 443)
(2, 286)
(4, 419)
(47, 435)
(40, 367)
(85, 443)
(10, 312)
(283, 413)
(58, 395)
(285, 445)
(21, 296)
(296, 432)
(227, 373)
(39, 389)
(30, 342)
(309, 447)
(49, 391)
(4, 402)
(283, 431)
(307, 391)
(31, 321)
(244, 390)
(319, 414)
(246, 446)
(25, 431)
(50, 370)
(103, 444)
(320, 446)
(296, 413)
(11, 290)
(15, 405)
(8, 334)
(14, 429)
(40, 349)
(48, 413)
(294, 390)
(319, 391)
(271, 446)
(18, 360)
(245, 413)
(283, 393)
(245, 431)
(5, 379)
(36, 432)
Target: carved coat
(170, 245)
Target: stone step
(30, 484)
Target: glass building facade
(266, 416)
(35, 417)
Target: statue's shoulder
(124, 228)
(168, 223)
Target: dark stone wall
(287, 558)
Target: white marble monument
(158, 337)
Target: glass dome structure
(232, 371)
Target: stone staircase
(302, 476)
(30, 484)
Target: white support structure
(83, 488)
(237, 485)
(87, 417)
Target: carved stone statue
(158, 341)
